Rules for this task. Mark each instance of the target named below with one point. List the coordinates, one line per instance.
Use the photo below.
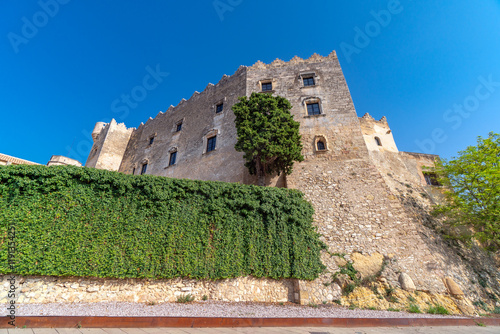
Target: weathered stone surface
(453, 288)
(367, 265)
(406, 282)
(53, 290)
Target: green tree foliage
(473, 190)
(267, 134)
(71, 221)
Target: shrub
(72, 221)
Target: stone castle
(371, 201)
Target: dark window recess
(133, 171)
(179, 127)
(267, 86)
(144, 168)
(308, 81)
(321, 146)
(151, 140)
(211, 143)
(313, 109)
(173, 157)
(379, 142)
(219, 108)
(431, 179)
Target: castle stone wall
(371, 201)
(109, 146)
(42, 290)
(199, 122)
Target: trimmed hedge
(72, 221)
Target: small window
(219, 108)
(313, 109)
(211, 143)
(151, 140)
(378, 141)
(178, 127)
(133, 171)
(144, 168)
(431, 179)
(173, 157)
(267, 86)
(309, 81)
(321, 146)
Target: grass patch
(349, 288)
(185, 299)
(438, 309)
(414, 309)
(393, 309)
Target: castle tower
(110, 142)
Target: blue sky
(431, 67)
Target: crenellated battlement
(314, 58)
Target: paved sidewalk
(261, 330)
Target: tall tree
(473, 190)
(267, 134)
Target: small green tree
(473, 190)
(267, 134)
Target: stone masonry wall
(109, 146)
(370, 201)
(199, 121)
(41, 290)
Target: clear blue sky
(63, 67)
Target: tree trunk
(261, 173)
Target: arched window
(321, 145)
(377, 140)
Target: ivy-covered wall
(70, 221)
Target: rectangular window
(179, 127)
(211, 143)
(133, 171)
(173, 156)
(151, 140)
(267, 86)
(313, 109)
(431, 179)
(308, 81)
(219, 108)
(144, 168)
